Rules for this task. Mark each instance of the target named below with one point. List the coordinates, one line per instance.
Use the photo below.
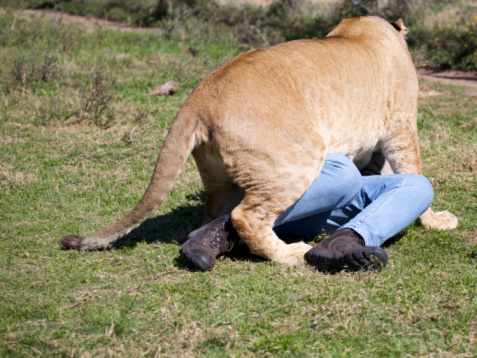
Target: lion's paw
(295, 254)
(442, 220)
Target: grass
(64, 170)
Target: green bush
(445, 47)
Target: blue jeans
(377, 207)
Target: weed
(53, 110)
(27, 73)
(23, 70)
(96, 99)
(130, 136)
(252, 34)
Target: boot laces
(221, 239)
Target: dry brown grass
(9, 176)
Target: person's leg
(382, 206)
(385, 205)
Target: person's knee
(348, 179)
(353, 182)
(422, 190)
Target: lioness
(260, 126)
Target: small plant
(48, 71)
(130, 136)
(96, 101)
(251, 34)
(24, 71)
(27, 73)
(52, 110)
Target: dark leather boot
(210, 241)
(346, 249)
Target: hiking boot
(209, 241)
(346, 249)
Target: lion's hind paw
(442, 220)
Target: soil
(452, 77)
(89, 22)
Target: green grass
(64, 170)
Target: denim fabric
(377, 207)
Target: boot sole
(371, 259)
(368, 258)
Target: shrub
(28, 73)
(95, 101)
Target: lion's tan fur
(260, 126)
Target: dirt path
(452, 77)
(88, 22)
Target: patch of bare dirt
(451, 77)
(425, 91)
(89, 22)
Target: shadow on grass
(174, 227)
(396, 238)
(473, 254)
(169, 228)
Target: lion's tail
(178, 145)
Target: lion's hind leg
(222, 201)
(254, 223)
(401, 149)
(222, 195)
(263, 202)
(274, 172)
